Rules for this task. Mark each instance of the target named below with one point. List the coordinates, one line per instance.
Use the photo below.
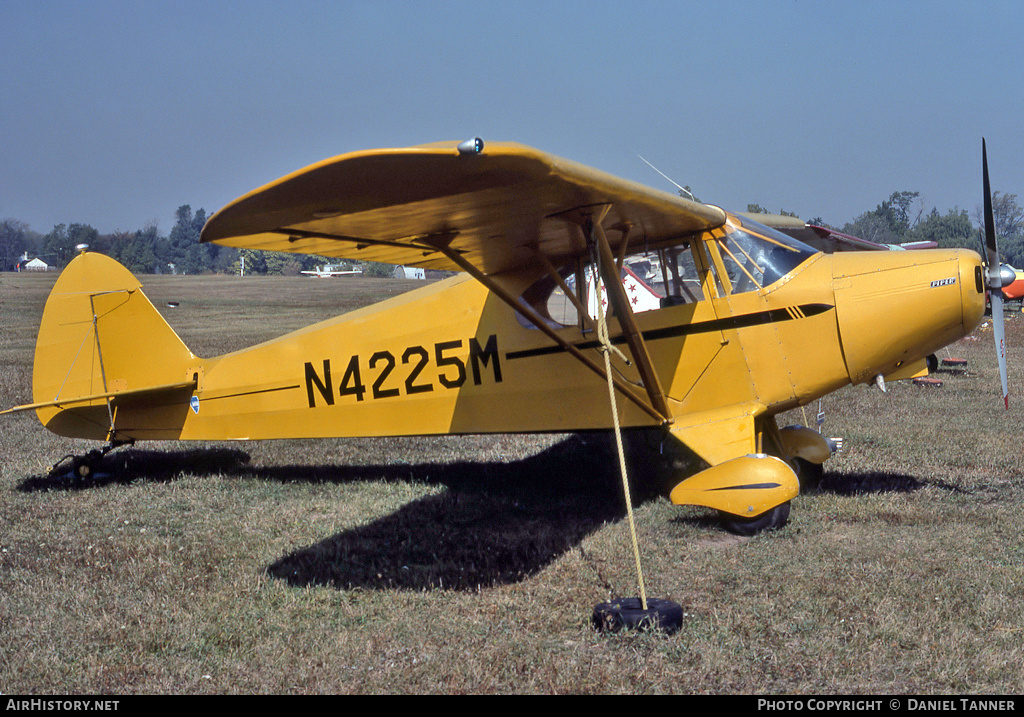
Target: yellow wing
(495, 208)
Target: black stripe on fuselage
(757, 318)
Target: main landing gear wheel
(629, 613)
(809, 474)
(772, 519)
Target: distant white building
(36, 264)
(409, 272)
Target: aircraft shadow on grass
(497, 522)
(869, 482)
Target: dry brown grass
(471, 565)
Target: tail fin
(107, 364)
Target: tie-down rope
(606, 349)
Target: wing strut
(502, 293)
(610, 274)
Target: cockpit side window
(679, 278)
(738, 257)
(554, 299)
(579, 286)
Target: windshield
(756, 256)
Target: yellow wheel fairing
(746, 486)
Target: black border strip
(730, 323)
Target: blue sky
(115, 113)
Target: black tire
(769, 520)
(628, 613)
(85, 466)
(809, 474)
(81, 470)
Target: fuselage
(454, 358)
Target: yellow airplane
(750, 322)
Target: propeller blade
(998, 331)
(991, 246)
(995, 283)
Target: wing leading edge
(496, 209)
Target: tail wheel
(83, 467)
(772, 519)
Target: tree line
(145, 251)
(899, 219)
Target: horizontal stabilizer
(158, 393)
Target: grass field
(472, 565)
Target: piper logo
(944, 282)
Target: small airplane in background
(830, 240)
(329, 270)
(1014, 291)
(748, 322)
(635, 277)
